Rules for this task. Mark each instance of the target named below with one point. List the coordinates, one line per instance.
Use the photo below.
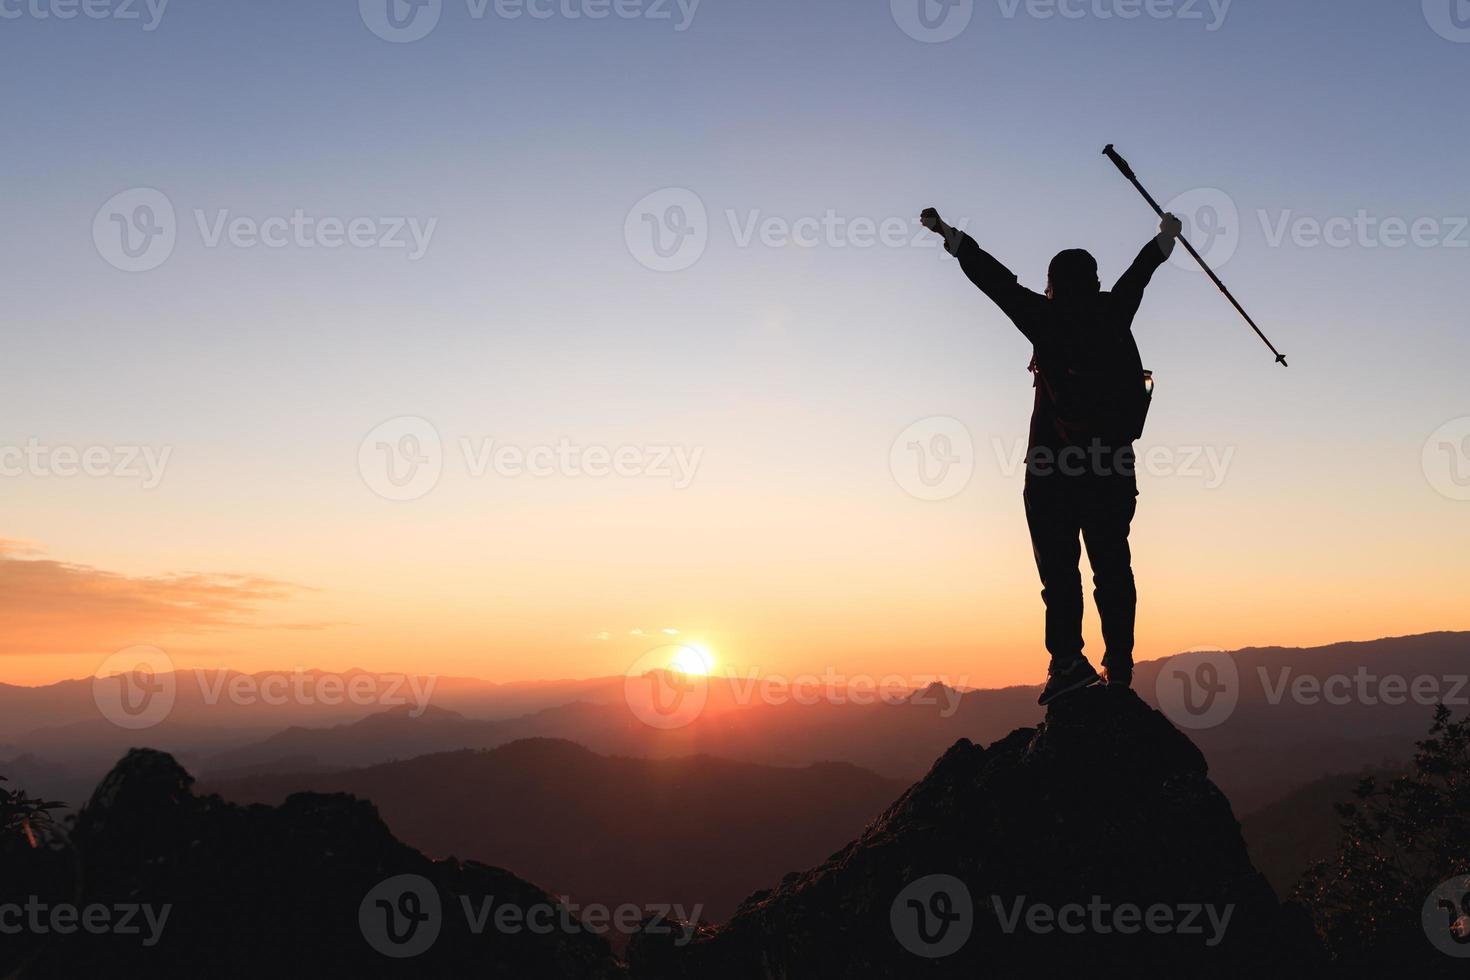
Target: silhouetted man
(1092, 395)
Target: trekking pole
(1122, 165)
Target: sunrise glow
(694, 661)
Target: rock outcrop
(1095, 842)
(317, 887)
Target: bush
(1401, 841)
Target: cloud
(637, 633)
(57, 607)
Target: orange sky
(927, 589)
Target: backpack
(1099, 390)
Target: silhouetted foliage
(24, 816)
(1400, 841)
(37, 863)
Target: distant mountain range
(230, 700)
(1287, 836)
(694, 830)
(1273, 742)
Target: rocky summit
(1093, 842)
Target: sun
(695, 661)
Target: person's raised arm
(1021, 305)
(1128, 293)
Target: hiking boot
(1065, 679)
(1118, 676)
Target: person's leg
(1051, 515)
(1105, 526)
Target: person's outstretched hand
(930, 219)
(1171, 227)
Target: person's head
(1073, 273)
